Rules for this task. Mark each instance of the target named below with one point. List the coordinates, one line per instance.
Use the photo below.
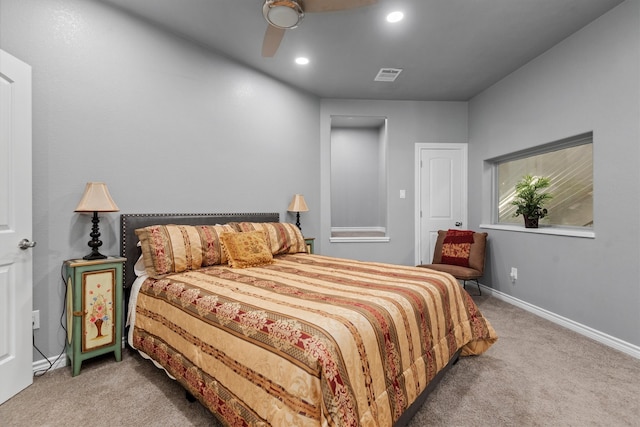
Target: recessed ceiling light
(395, 16)
(302, 60)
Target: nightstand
(309, 242)
(94, 309)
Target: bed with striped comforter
(309, 340)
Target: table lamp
(96, 198)
(298, 205)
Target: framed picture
(98, 302)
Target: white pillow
(138, 267)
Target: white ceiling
(448, 49)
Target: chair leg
(464, 285)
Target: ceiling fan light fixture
(283, 14)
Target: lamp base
(94, 255)
(95, 242)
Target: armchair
(473, 272)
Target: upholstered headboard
(130, 222)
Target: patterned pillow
(248, 249)
(456, 247)
(282, 237)
(173, 248)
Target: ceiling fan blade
(272, 38)
(334, 5)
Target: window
(568, 164)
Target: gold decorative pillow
(173, 248)
(282, 237)
(247, 249)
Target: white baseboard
(59, 361)
(601, 337)
(52, 362)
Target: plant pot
(530, 222)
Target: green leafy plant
(530, 198)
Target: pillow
(213, 254)
(456, 247)
(138, 268)
(282, 238)
(247, 249)
(173, 248)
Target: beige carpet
(537, 374)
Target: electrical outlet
(35, 319)
(514, 274)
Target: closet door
(441, 194)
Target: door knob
(26, 244)
(458, 224)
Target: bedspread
(308, 340)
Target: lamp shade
(298, 204)
(96, 198)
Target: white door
(16, 275)
(441, 194)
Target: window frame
(560, 230)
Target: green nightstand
(309, 241)
(94, 309)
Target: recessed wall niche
(358, 178)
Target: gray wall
(356, 173)
(589, 82)
(169, 127)
(408, 122)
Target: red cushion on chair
(456, 247)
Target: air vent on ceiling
(388, 74)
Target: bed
(289, 338)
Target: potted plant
(530, 199)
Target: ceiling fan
(282, 15)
